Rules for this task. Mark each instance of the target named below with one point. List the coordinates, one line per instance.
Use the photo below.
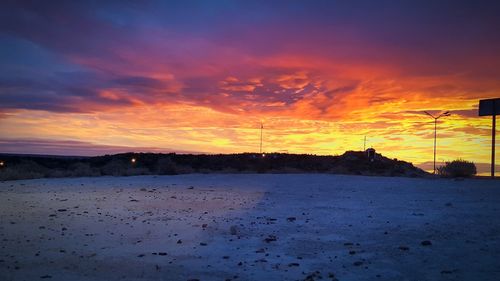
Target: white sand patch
(249, 227)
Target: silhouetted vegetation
(351, 162)
(457, 168)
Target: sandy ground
(250, 227)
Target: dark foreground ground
(250, 227)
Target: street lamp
(261, 128)
(446, 113)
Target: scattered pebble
(426, 243)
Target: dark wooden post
(491, 107)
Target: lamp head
(446, 113)
(429, 114)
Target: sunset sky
(95, 77)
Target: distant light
(133, 160)
(263, 155)
(2, 163)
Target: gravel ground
(250, 227)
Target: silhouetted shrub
(15, 174)
(57, 173)
(457, 168)
(25, 169)
(136, 171)
(80, 169)
(115, 167)
(166, 166)
(184, 169)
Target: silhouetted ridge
(351, 162)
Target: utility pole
(446, 113)
(364, 145)
(261, 128)
(435, 139)
(493, 133)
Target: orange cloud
(151, 86)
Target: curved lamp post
(446, 113)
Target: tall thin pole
(364, 145)
(493, 132)
(261, 128)
(446, 113)
(435, 137)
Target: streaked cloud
(202, 75)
